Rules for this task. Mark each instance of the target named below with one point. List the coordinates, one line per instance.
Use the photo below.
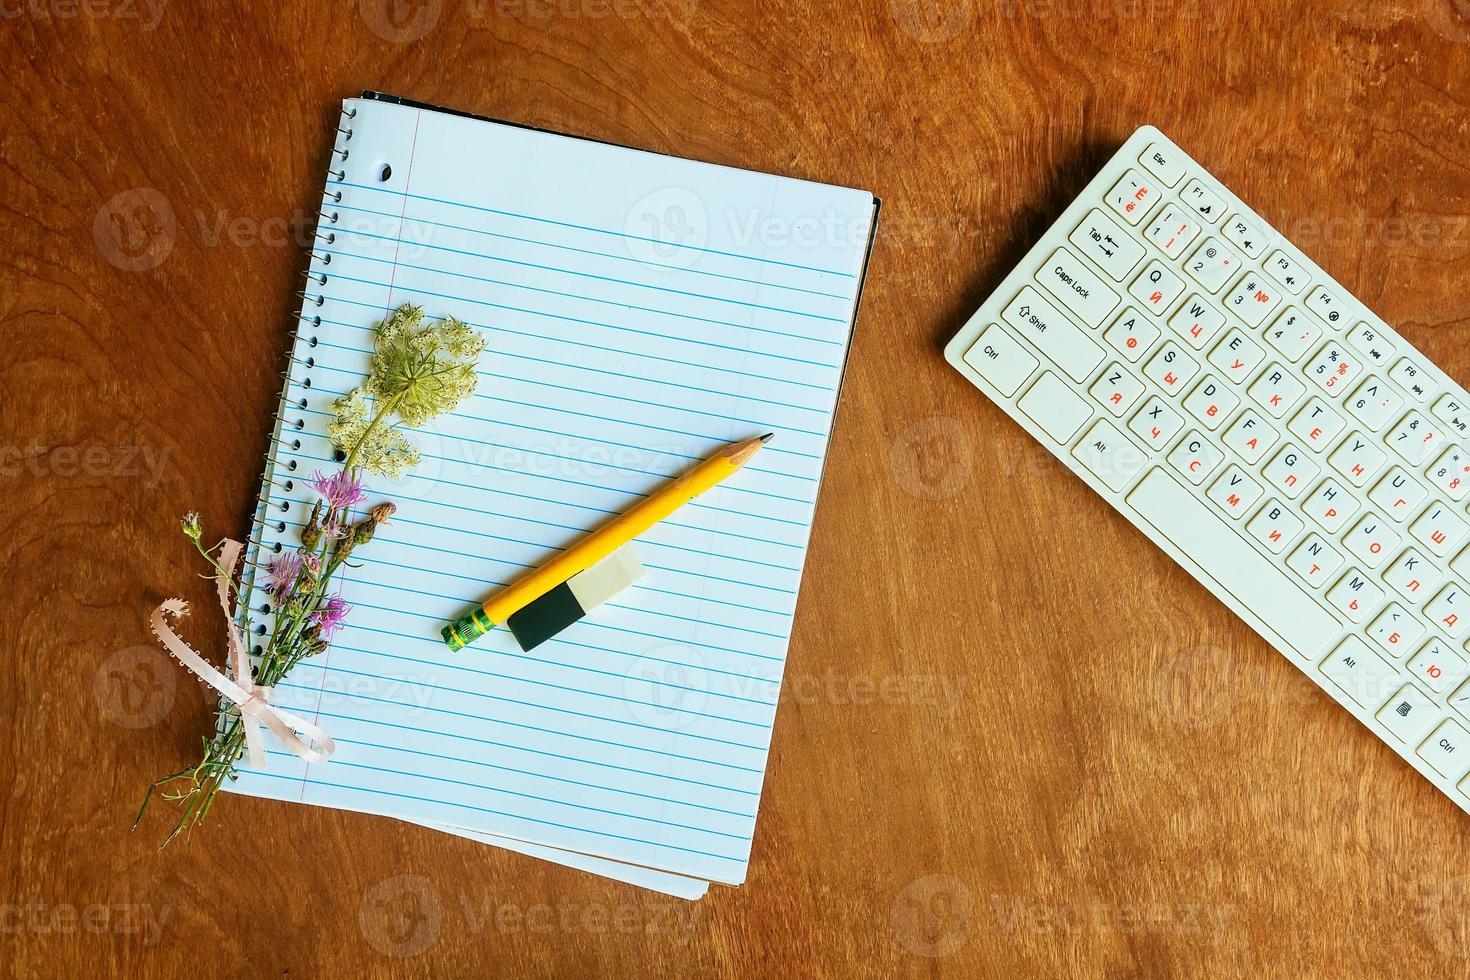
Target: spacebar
(1254, 581)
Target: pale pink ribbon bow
(251, 700)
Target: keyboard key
(1333, 367)
(1195, 458)
(1000, 359)
(1451, 473)
(1355, 595)
(1170, 368)
(1246, 235)
(1408, 714)
(1164, 162)
(1447, 611)
(1461, 565)
(1067, 278)
(1446, 750)
(1293, 333)
(1358, 459)
(1052, 404)
(1276, 391)
(1132, 334)
(1117, 390)
(1451, 410)
(1171, 231)
(1397, 494)
(1371, 541)
(1410, 377)
(1211, 402)
(1437, 665)
(1439, 529)
(1374, 403)
(1196, 321)
(1249, 437)
(1290, 471)
(1285, 270)
(1204, 201)
(1330, 506)
(1369, 341)
(1316, 425)
(1036, 320)
(1244, 573)
(1234, 492)
(1274, 526)
(1252, 299)
(1395, 630)
(1415, 438)
(1327, 305)
(1212, 265)
(1361, 674)
(1157, 287)
(1236, 356)
(1315, 561)
(1156, 423)
(1109, 456)
(1132, 196)
(1100, 240)
(1413, 576)
(1460, 700)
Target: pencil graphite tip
(767, 437)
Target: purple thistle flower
(284, 571)
(330, 616)
(340, 490)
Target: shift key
(1054, 335)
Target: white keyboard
(1258, 423)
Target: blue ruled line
(600, 231)
(405, 219)
(324, 250)
(498, 813)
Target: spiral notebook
(640, 311)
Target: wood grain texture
(1016, 740)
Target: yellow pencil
(545, 601)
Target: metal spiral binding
(282, 474)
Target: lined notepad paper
(641, 311)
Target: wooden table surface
(995, 756)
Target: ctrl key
(1000, 359)
(1447, 750)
